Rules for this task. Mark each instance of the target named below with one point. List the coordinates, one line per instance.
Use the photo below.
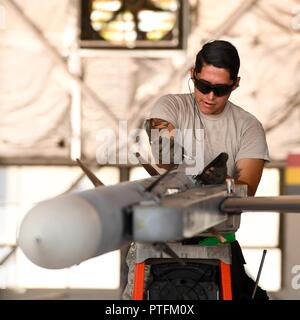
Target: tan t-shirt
(234, 131)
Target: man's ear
(237, 83)
(192, 72)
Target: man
(227, 128)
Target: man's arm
(156, 123)
(249, 172)
(161, 124)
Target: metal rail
(281, 204)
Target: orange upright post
(138, 284)
(225, 281)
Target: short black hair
(220, 54)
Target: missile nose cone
(60, 232)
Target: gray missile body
(69, 229)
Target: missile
(71, 228)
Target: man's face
(210, 103)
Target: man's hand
(215, 172)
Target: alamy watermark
(184, 148)
(296, 278)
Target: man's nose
(211, 95)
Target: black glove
(215, 172)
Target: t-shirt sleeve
(166, 108)
(253, 144)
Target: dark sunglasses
(218, 89)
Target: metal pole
(259, 273)
(281, 204)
